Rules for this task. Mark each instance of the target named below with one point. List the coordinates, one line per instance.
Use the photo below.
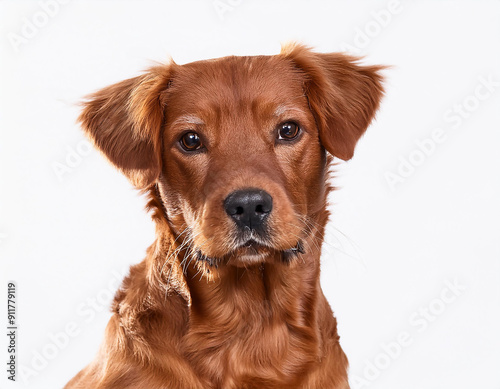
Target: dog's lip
(293, 252)
(251, 243)
(252, 250)
(297, 249)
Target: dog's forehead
(235, 84)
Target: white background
(392, 250)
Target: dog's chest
(255, 332)
(251, 354)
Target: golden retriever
(235, 155)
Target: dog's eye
(288, 131)
(190, 141)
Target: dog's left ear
(342, 94)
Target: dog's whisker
(304, 239)
(174, 253)
(187, 240)
(325, 242)
(176, 250)
(312, 231)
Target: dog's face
(242, 160)
(237, 145)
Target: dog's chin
(250, 253)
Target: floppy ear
(342, 94)
(124, 120)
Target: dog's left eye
(288, 131)
(190, 141)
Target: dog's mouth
(251, 247)
(293, 252)
(252, 252)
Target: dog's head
(236, 146)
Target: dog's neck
(266, 312)
(271, 289)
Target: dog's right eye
(190, 141)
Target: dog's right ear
(124, 121)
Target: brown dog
(233, 153)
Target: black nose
(249, 208)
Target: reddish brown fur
(180, 322)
